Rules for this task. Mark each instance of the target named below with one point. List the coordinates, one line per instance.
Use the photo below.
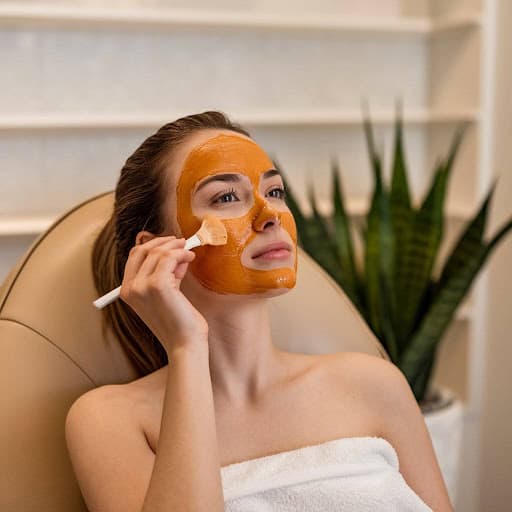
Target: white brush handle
(108, 298)
(112, 295)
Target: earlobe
(143, 237)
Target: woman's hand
(151, 287)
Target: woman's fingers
(155, 266)
(159, 268)
(181, 269)
(168, 250)
(173, 266)
(151, 283)
(139, 253)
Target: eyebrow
(230, 177)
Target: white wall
(52, 69)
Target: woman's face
(228, 175)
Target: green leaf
(300, 219)
(439, 315)
(386, 313)
(378, 239)
(378, 256)
(443, 307)
(343, 238)
(468, 242)
(399, 184)
(324, 249)
(420, 384)
(454, 148)
(315, 238)
(418, 255)
(313, 235)
(375, 160)
(402, 214)
(361, 228)
(400, 194)
(421, 248)
(505, 228)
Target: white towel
(349, 474)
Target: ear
(143, 237)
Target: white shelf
(167, 18)
(20, 225)
(318, 117)
(23, 226)
(33, 226)
(358, 207)
(458, 21)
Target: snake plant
(393, 285)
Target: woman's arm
(113, 462)
(186, 473)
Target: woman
(196, 325)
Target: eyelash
(232, 192)
(282, 193)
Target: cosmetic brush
(211, 232)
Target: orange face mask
(220, 268)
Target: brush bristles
(212, 232)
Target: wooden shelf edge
(25, 226)
(458, 21)
(263, 119)
(34, 226)
(93, 17)
(357, 207)
(14, 226)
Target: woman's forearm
(186, 473)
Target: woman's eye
(226, 197)
(278, 193)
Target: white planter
(445, 425)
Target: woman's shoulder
(376, 379)
(103, 402)
(118, 400)
(360, 363)
(111, 394)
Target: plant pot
(444, 416)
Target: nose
(266, 217)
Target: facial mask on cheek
(220, 268)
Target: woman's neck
(244, 363)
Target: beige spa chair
(53, 350)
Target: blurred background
(83, 82)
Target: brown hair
(138, 202)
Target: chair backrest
(55, 350)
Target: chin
(273, 292)
(263, 294)
(237, 298)
(270, 292)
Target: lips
(273, 248)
